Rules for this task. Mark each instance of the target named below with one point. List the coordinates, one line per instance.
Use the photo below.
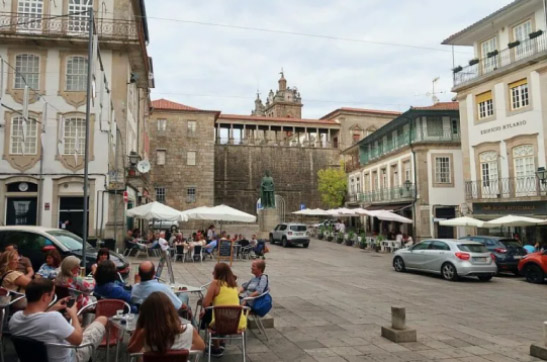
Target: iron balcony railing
(505, 188)
(70, 26)
(399, 193)
(496, 60)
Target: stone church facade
(239, 148)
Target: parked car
(35, 241)
(448, 257)
(534, 267)
(508, 252)
(290, 234)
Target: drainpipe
(414, 216)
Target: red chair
(169, 356)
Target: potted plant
(474, 61)
(321, 234)
(350, 238)
(535, 34)
(513, 44)
(458, 69)
(362, 241)
(340, 238)
(378, 244)
(330, 233)
(491, 54)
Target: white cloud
(213, 67)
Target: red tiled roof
(361, 110)
(440, 106)
(172, 106)
(236, 117)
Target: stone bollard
(398, 332)
(539, 350)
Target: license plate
(517, 256)
(480, 259)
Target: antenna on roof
(434, 98)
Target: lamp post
(408, 184)
(541, 174)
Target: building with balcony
(44, 52)
(502, 94)
(411, 165)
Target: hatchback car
(534, 267)
(290, 234)
(35, 241)
(448, 257)
(508, 252)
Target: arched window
(524, 170)
(76, 74)
(23, 140)
(78, 21)
(27, 71)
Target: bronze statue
(267, 191)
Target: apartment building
(44, 51)
(502, 93)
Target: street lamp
(133, 158)
(408, 184)
(541, 174)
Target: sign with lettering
(225, 250)
(503, 127)
(506, 208)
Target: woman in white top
(160, 329)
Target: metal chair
(193, 356)
(179, 253)
(6, 302)
(31, 350)
(197, 252)
(256, 317)
(227, 326)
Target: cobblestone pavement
(330, 301)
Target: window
(442, 170)
(29, 14)
(27, 71)
(489, 168)
(485, 105)
(26, 144)
(78, 21)
(406, 169)
(191, 158)
(384, 178)
(520, 33)
(358, 185)
(160, 194)
(489, 63)
(192, 126)
(519, 94)
(352, 186)
(76, 74)
(191, 194)
(434, 126)
(160, 157)
(162, 125)
(525, 170)
(74, 136)
(455, 127)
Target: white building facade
(502, 93)
(43, 46)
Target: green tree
(332, 185)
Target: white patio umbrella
(318, 212)
(341, 211)
(462, 221)
(391, 216)
(156, 211)
(219, 213)
(515, 220)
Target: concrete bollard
(398, 317)
(545, 333)
(539, 350)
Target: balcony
(351, 166)
(394, 194)
(22, 25)
(505, 188)
(525, 51)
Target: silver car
(448, 257)
(290, 234)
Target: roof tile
(170, 105)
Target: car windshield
(510, 242)
(298, 227)
(473, 248)
(68, 239)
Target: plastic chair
(256, 317)
(31, 350)
(227, 326)
(190, 356)
(197, 252)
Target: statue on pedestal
(267, 191)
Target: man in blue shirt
(147, 285)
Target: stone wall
(239, 170)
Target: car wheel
(272, 239)
(284, 242)
(534, 274)
(399, 264)
(449, 272)
(306, 245)
(485, 278)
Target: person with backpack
(256, 285)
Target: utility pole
(86, 143)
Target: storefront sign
(503, 127)
(505, 208)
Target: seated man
(49, 326)
(258, 284)
(147, 284)
(209, 248)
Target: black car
(35, 241)
(508, 252)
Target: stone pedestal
(398, 332)
(267, 221)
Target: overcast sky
(221, 68)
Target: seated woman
(160, 329)
(223, 291)
(50, 268)
(10, 278)
(108, 285)
(102, 254)
(256, 285)
(69, 278)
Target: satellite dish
(143, 166)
